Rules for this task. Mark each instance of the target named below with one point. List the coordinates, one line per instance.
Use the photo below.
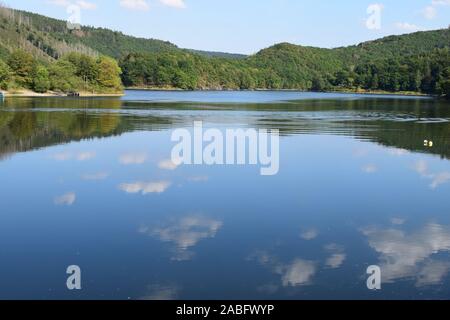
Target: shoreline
(349, 91)
(51, 94)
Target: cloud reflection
(145, 187)
(80, 156)
(404, 255)
(132, 158)
(66, 199)
(437, 179)
(337, 257)
(161, 293)
(299, 272)
(370, 168)
(168, 165)
(185, 233)
(309, 234)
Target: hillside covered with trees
(41, 54)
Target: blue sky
(246, 26)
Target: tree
(85, 66)
(62, 76)
(41, 81)
(5, 74)
(318, 84)
(22, 66)
(108, 74)
(444, 83)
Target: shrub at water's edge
(74, 72)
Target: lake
(89, 182)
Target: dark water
(86, 182)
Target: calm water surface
(87, 182)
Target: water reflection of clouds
(369, 168)
(398, 221)
(185, 233)
(80, 156)
(66, 199)
(299, 272)
(337, 256)
(145, 187)
(409, 255)
(309, 234)
(398, 152)
(133, 158)
(437, 179)
(168, 164)
(161, 292)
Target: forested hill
(395, 46)
(418, 62)
(53, 38)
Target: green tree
(41, 80)
(108, 74)
(62, 77)
(85, 66)
(22, 66)
(5, 75)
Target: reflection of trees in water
(29, 130)
(27, 124)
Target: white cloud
(84, 156)
(433, 273)
(80, 156)
(360, 152)
(398, 221)
(61, 3)
(336, 260)
(397, 152)
(430, 11)
(337, 257)
(297, 273)
(132, 158)
(62, 156)
(404, 255)
(440, 2)
(179, 4)
(437, 179)
(135, 4)
(145, 187)
(370, 168)
(66, 199)
(85, 5)
(185, 233)
(408, 26)
(168, 165)
(161, 293)
(421, 167)
(309, 234)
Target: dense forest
(41, 54)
